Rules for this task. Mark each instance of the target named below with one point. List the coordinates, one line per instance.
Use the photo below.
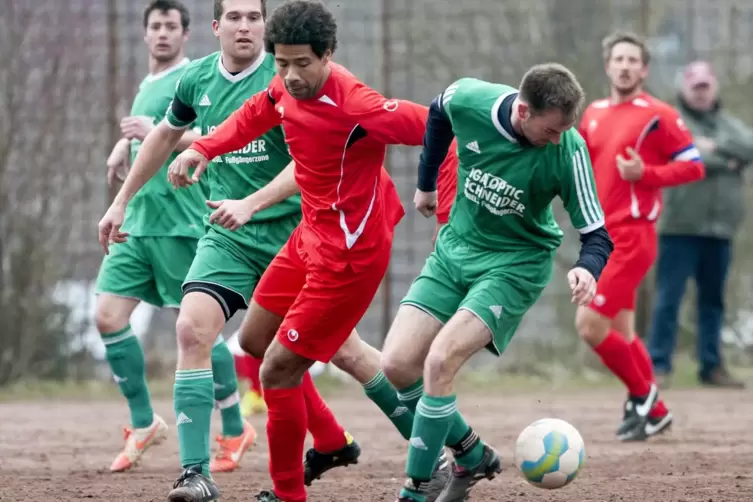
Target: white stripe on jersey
(687, 154)
(589, 206)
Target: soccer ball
(549, 453)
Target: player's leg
(252, 402)
(205, 375)
(125, 278)
(317, 324)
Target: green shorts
(150, 269)
(229, 268)
(497, 287)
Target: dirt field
(60, 451)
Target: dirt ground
(60, 451)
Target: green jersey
(210, 94)
(158, 210)
(506, 185)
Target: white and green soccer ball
(550, 453)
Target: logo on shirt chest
(494, 193)
(254, 152)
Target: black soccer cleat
(268, 496)
(658, 425)
(318, 463)
(439, 479)
(636, 416)
(462, 480)
(193, 486)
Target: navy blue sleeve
(595, 248)
(437, 141)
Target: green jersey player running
(517, 150)
(164, 226)
(232, 255)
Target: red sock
(616, 355)
(253, 364)
(241, 366)
(643, 360)
(329, 435)
(286, 433)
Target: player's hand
(118, 162)
(582, 284)
(232, 214)
(630, 167)
(109, 227)
(177, 173)
(426, 202)
(704, 144)
(136, 127)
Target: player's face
(240, 29)
(303, 72)
(164, 35)
(545, 128)
(625, 68)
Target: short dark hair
(551, 86)
(627, 37)
(302, 22)
(164, 6)
(219, 10)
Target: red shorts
(635, 248)
(320, 307)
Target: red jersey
(447, 183)
(338, 141)
(655, 130)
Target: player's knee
(192, 336)
(591, 326)
(110, 320)
(399, 369)
(438, 368)
(254, 343)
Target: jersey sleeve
(180, 113)
(447, 184)
(388, 121)
(257, 116)
(578, 189)
(683, 162)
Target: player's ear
(215, 27)
(523, 111)
(326, 56)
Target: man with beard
(164, 228)
(638, 145)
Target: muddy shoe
(462, 480)
(318, 463)
(193, 486)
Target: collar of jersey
(156, 76)
(501, 118)
(245, 73)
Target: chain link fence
(68, 72)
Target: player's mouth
(163, 47)
(244, 41)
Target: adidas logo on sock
(183, 419)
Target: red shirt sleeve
(683, 160)
(257, 116)
(447, 184)
(388, 121)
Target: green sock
(226, 389)
(384, 395)
(410, 395)
(126, 358)
(193, 399)
(464, 442)
(433, 418)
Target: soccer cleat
(253, 404)
(268, 496)
(439, 478)
(318, 463)
(636, 415)
(658, 425)
(232, 449)
(137, 441)
(193, 486)
(462, 480)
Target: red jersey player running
(325, 277)
(638, 145)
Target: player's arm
(578, 194)
(154, 152)
(388, 121)
(683, 160)
(447, 184)
(436, 143)
(257, 116)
